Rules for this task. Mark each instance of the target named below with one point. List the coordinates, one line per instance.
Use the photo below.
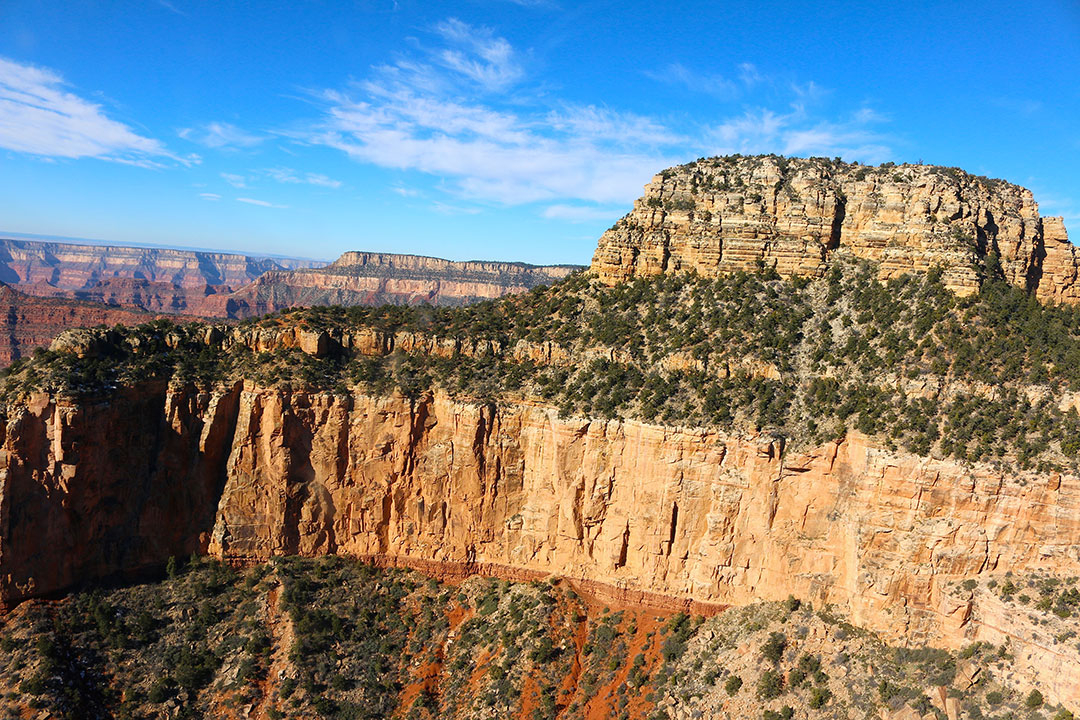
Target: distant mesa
(365, 278)
(733, 213)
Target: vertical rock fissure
(674, 526)
(839, 214)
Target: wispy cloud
(237, 181)
(290, 176)
(170, 7)
(448, 209)
(410, 116)
(404, 191)
(38, 115)
(478, 54)
(260, 203)
(1019, 106)
(209, 196)
(466, 113)
(678, 74)
(221, 136)
(797, 133)
(533, 3)
(749, 75)
(596, 124)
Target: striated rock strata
(249, 473)
(726, 214)
(229, 285)
(363, 278)
(71, 266)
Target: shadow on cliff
(92, 495)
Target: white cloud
(410, 116)
(237, 181)
(170, 7)
(39, 116)
(260, 203)
(404, 191)
(290, 176)
(218, 135)
(604, 125)
(533, 3)
(492, 160)
(437, 116)
(749, 74)
(447, 209)
(209, 196)
(579, 213)
(478, 54)
(797, 133)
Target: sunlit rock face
(726, 214)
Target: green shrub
(773, 649)
(819, 696)
(770, 685)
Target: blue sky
(496, 129)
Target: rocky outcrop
(726, 214)
(249, 473)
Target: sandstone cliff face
(250, 473)
(727, 214)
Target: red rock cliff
(249, 473)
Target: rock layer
(71, 266)
(248, 473)
(89, 285)
(362, 278)
(726, 214)
(229, 285)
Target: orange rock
(795, 215)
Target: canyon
(110, 483)
(365, 278)
(95, 284)
(669, 517)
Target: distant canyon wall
(71, 266)
(56, 286)
(27, 322)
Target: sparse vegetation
(799, 358)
